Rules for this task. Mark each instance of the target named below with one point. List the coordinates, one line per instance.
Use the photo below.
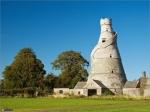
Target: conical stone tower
(106, 65)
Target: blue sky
(52, 27)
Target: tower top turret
(105, 21)
(106, 26)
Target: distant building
(132, 88)
(140, 87)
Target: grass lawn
(47, 104)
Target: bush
(42, 93)
(30, 92)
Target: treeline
(26, 76)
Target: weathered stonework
(147, 92)
(132, 91)
(106, 65)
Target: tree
(72, 67)
(1, 84)
(50, 81)
(25, 71)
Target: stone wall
(79, 92)
(99, 91)
(147, 92)
(132, 91)
(61, 91)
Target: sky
(51, 27)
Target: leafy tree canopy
(72, 66)
(25, 71)
(50, 81)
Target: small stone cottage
(140, 87)
(95, 87)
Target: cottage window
(78, 92)
(61, 91)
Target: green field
(75, 104)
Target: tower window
(112, 71)
(110, 56)
(103, 41)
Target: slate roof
(99, 83)
(80, 85)
(131, 84)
